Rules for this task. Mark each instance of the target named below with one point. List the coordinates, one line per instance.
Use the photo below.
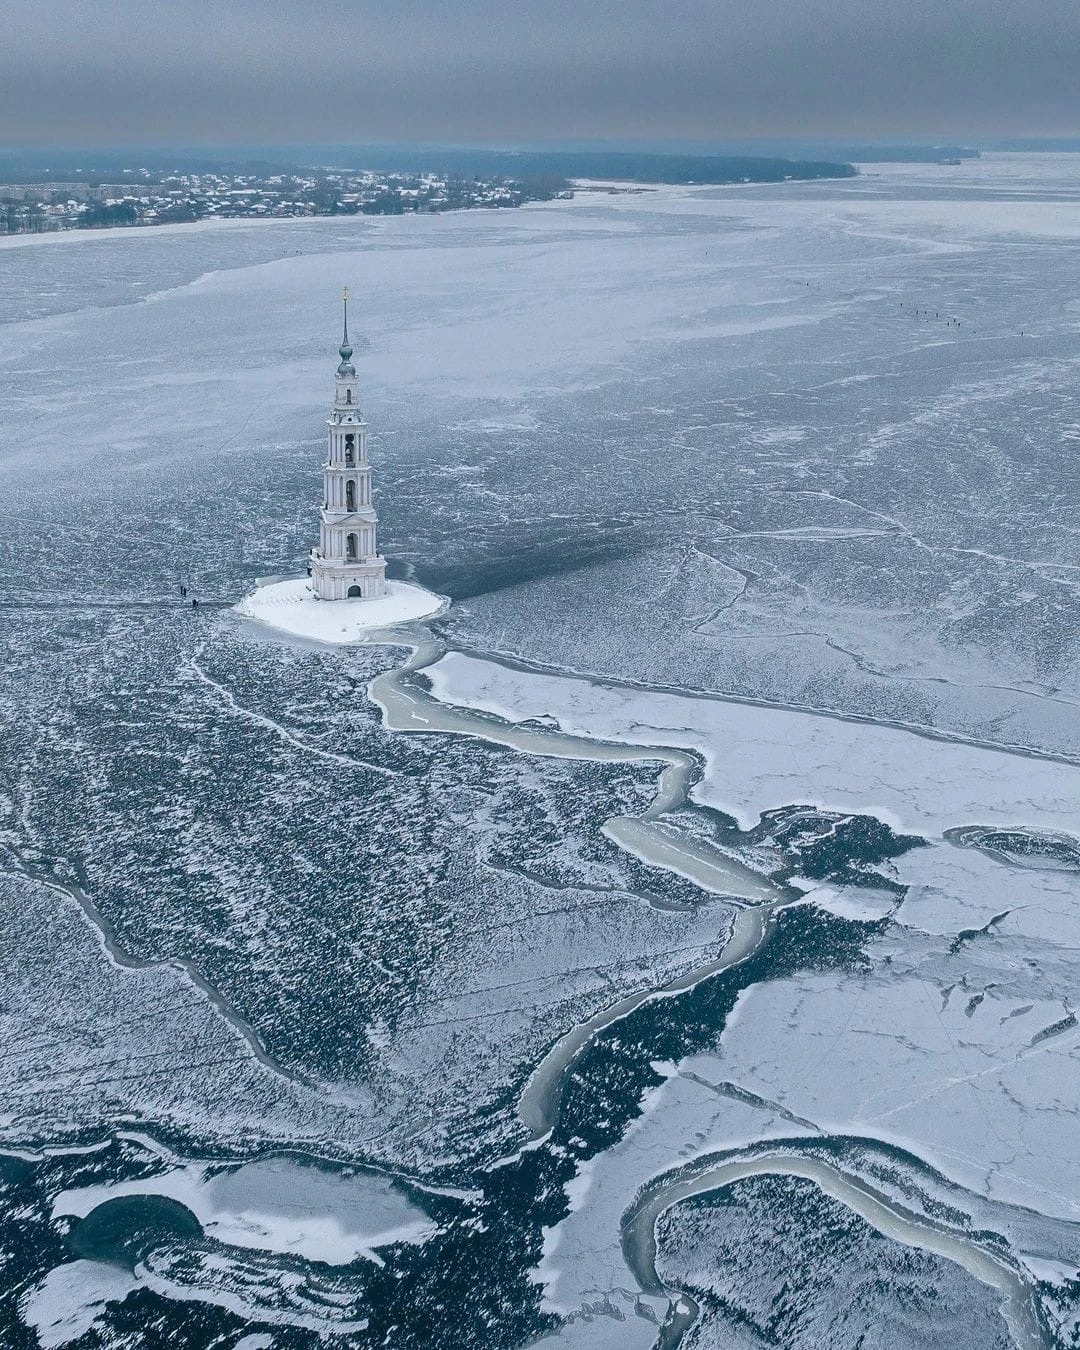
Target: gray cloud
(279, 70)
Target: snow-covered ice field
(757, 509)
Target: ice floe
(277, 1205)
(759, 758)
(65, 1305)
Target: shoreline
(589, 186)
(239, 222)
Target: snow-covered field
(768, 493)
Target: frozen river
(676, 941)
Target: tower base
(335, 580)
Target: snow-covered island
(346, 593)
(294, 608)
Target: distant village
(144, 197)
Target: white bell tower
(346, 565)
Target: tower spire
(346, 367)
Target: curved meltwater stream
(408, 707)
(881, 1212)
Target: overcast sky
(504, 71)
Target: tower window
(348, 395)
(352, 546)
